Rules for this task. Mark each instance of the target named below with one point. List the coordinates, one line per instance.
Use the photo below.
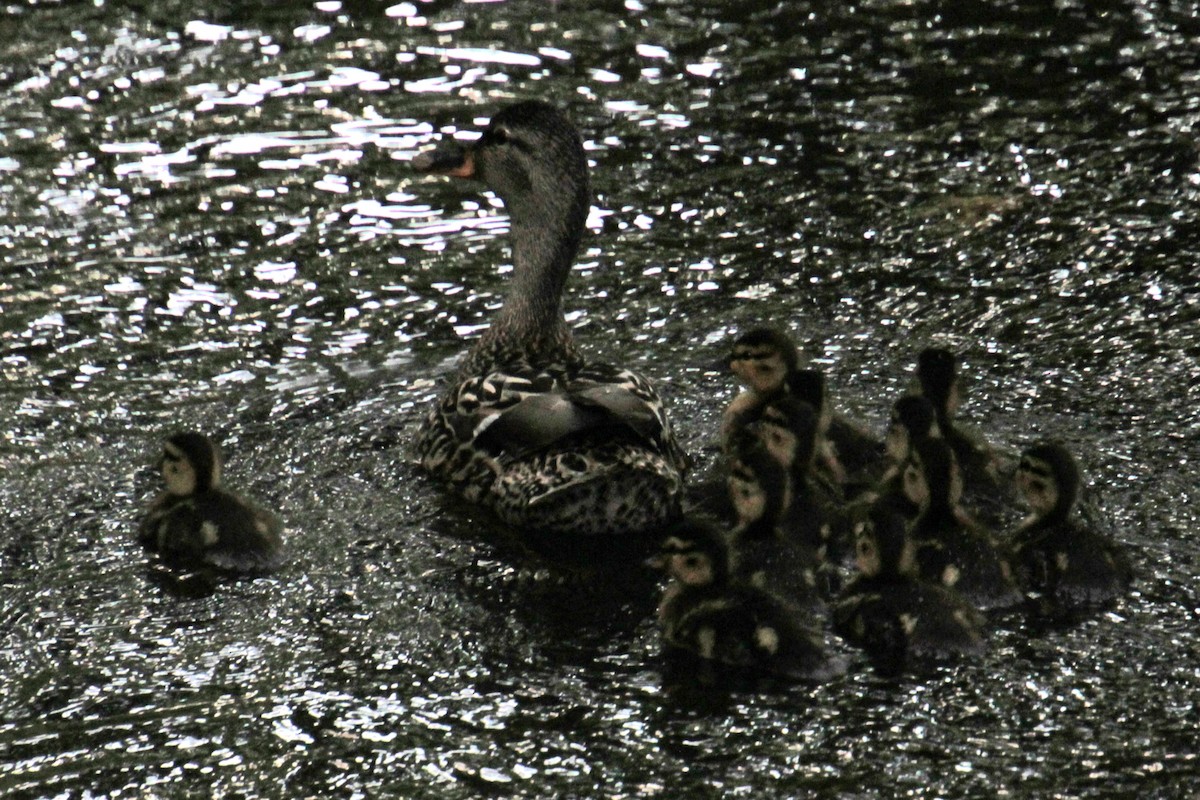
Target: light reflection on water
(209, 222)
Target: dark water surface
(206, 220)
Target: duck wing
(514, 414)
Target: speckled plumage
(529, 428)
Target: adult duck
(549, 441)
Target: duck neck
(762, 529)
(939, 512)
(546, 233)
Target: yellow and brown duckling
(891, 612)
(790, 430)
(768, 549)
(913, 419)
(954, 549)
(530, 428)
(939, 381)
(196, 522)
(1069, 564)
(708, 614)
(761, 359)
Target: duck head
(190, 464)
(931, 475)
(882, 546)
(759, 485)
(937, 374)
(762, 359)
(1049, 478)
(913, 418)
(531, 156)
(694, 553)
(790, 428)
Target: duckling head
(694, 553)
(759, 484)
(190, 463)
(882, 545)
(1049, 478)
(913, 418)
(789, 427)
(937, 373)
(931, 475)
(763, 358)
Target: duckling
(913, 419)
(1070, 564)
(890, 612)
(529, 427)
(710, 615)
(850, 453)
(964, 554)
(197, 522)
(765, 550)
(790, 430)
(761, 359)
(938, 379)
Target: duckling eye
(500, 135)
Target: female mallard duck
(529, 428)
(955, 550)
(767, 550)
(196, 522)
(890, 612)
(710, 615)
(1071, 565)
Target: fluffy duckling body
(724, 622)
(529, 428)
(893, 614)
(955, 550)
(197, 522)
(1072, 566)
